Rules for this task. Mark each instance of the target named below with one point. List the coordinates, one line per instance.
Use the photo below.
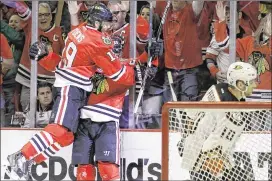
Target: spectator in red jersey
(182, 49)
(48, 33)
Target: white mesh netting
(219, 144)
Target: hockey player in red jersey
(86, 50)
(97, 140)
(103, 110)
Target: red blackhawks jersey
(87, 50)
(106, 106)
(51, 36)
(124, 31)
(181, 42)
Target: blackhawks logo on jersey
(257, 59)
(100, 84)
(106, 40)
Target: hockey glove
(118, 44)
(150, 72)
(73, 7)
(156, 48)
(37, 51)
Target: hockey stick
(141, 92)
(143, 81)
(174, 96)
(59, 13)
(170, 79)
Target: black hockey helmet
(99, 12)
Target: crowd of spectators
(196, 54)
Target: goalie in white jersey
(208, 141)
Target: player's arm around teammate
(87, 49)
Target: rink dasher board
(140, 155)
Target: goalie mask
(241, 71)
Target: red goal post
(210, 106)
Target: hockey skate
(20, 165)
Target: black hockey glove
(150, 72)
(118, 44)
(156, 48)
(37, 51)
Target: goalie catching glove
(37, 51)
(156, 48)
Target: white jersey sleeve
(215, 47)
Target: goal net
(216, 141)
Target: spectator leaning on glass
(182, 49)
(48, 33)
(16, 38)
(44, 106)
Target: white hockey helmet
(241, 71)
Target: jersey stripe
(115, 77)
(62, 104)
(74, 74)
(68, 77)
(101, 113)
